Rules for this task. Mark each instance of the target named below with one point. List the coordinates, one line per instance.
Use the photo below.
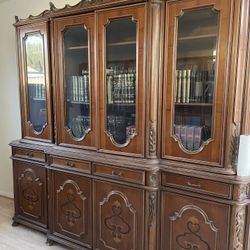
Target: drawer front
(134, 176)
(84, 166)
(29, 154)
(197, 184)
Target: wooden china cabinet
(131, 116)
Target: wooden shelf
(39, 99)
(187, 38)
(195, 104)
(77, 102)
(122, 104)
(122, 43)
(78, 47)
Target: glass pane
(121, 80)
(34, 51)
(77, 81)
(195, 77)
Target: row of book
(37, 91)
(121, 88)
(79, 89)
(121, 127)
(192, 136)
(193, 86)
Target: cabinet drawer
(134, 176)
(85, 166)
(197, 184)
(29, 154)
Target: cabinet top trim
(82, 7)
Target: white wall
(10, 128)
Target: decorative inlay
(234, 147)
(152, 208)
(119, 219)
(244, 192)
(192, 231)
(70, 209)
(239, 228)
(71, 204)
(116, 224)
(30, 190)
(152, 139)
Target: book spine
(197, 137)
(177, 131)
(184, 85)
(176, 85)
(188, 86)
(179, 87)
(190, 138)
(110, 97)
(184, 136)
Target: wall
(10, 128)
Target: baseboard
(6, 195)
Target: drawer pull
(117, 173)
(30, 155)
(193, 185)
(72, 165)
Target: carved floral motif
(70, 209)
(239, 228)
(116, 223)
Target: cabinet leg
(49, 242)
(15, 224)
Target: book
(197, 137)
(184, 85)
(177, 131)
(188, 86)
(176, 85)
(184, 136)
(179, 87)
(110, 89)
(190, 138)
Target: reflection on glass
(195, 77)
(121, 80)
(77, 81)
(34, 51)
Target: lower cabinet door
(192, 223)
(119, 220)
(30, 192)
(72, 210)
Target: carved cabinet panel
(119, 219)
(72, 210)
(191, 223)
(30, 192)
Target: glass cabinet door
(75, 80)
(195, 77)
(35, 82)
(121, 38)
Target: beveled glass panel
(121, 80)
(77, 81)
(35, 69)
(195, 77)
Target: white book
(184, 85)
(188, 85)
(179, 87)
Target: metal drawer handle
(30, 154)
(72, 165)
(193, 185)
(117, 173)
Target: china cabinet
(131, 116)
